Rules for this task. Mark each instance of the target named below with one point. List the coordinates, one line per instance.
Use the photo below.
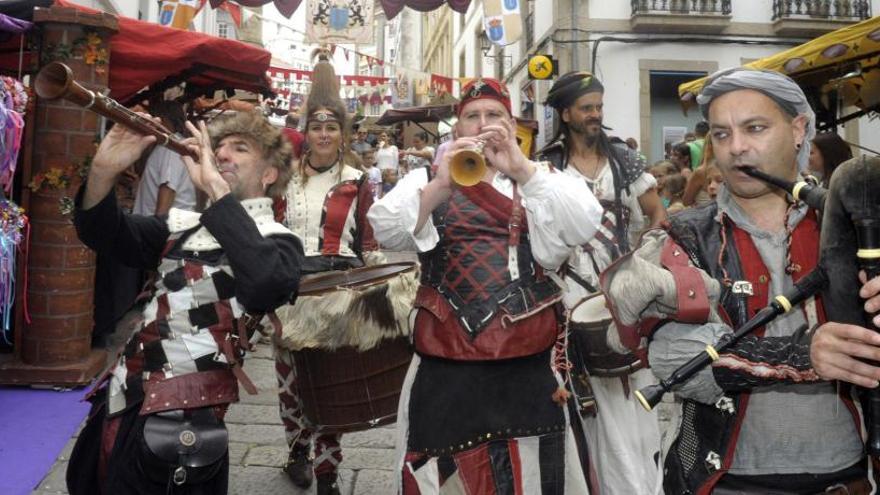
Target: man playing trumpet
(483, 409)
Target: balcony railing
(846, 10)
(680, 16)
(696, 7)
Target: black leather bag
(185, 447)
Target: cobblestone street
(257, 449)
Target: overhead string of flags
(421, 82)
(352, 24)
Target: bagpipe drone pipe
(850, 241)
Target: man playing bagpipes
(156, 424)
(483, 406)
(764, 417)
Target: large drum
(351, 390)
(588, 326)
(349, 333)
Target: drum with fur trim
(350, 337)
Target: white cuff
(426, 238)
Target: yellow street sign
(541, 67)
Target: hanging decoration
(178, 13)
(285, 7)
(339, 21)
(13, 103)
(14, 229)
(234, 11)
(66, 179)
(391, 7)
(88, 48)
(441, 85)
(502, 21)
(402, 96)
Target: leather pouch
(185, 447)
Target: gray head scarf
(778, 87)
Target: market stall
(132, 61)
(837, 70)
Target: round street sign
(540, 67)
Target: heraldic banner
(502, 22)
(339, 21)
(178, 13)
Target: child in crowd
(715, 181)
(389, 180)
(673, 190)
(374, 175)
(661, 170)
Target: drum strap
(580, 280)
(231, 354)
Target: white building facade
(642, 50)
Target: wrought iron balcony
(680, 16)
(810, 18)
(694, 7)
(848, 10)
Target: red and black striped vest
(483, 296)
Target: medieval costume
(184, 363)
(327, 209)
(481, 410)
(156, 425)
(329, 212)
(624, 439)
(760, 419)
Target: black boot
(299, 467)
(327, 484)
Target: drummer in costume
(156, 424)
(325, 204)
(624, 438)
(763, 418)
(483, 410)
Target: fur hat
(274, 148)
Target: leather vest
(482, 295)
(704, 448)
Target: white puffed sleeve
(394, 216)
(561, 213)
(643, 184)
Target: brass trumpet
(467, 167)
(56, 81)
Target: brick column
(56, 346)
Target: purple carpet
(35, 425)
